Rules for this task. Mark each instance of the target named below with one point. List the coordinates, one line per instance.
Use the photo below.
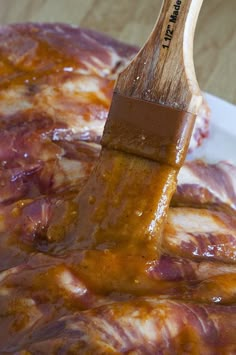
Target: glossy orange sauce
(37, 67)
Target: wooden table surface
(132, 20)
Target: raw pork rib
(59, 295)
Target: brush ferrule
(148, 130)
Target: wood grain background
(132, 20)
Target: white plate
(221, 144)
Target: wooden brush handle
(163, 71)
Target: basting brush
(156, 99)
